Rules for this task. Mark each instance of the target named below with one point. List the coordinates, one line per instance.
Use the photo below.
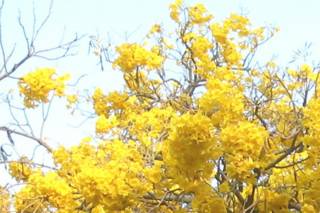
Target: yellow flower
(20, 169)
(132, 56)
(155, 29)
(37, 85)
(307, 208)
(198, 14)
(175, 10)
(4, 200)
(71, 99)
(104, 124)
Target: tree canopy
(199, 126)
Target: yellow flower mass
(133, 56)
(37, 85)
(197, 127)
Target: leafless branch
(39, 141)
(50, 53)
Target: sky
(129, 20)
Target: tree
(198, 127)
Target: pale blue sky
(299, 22)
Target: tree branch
(39, 141)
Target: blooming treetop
(196, 128)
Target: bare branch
(39, 141)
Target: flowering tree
(197, 128)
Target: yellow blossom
(175, 10)
(36, 86)
(132, 56)
(198, 14)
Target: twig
(39, 141)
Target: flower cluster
(4, 200)
(133, 56)
(108, 177)
(37, 85)
(175, 10)
(198, 14)
(242, 144)
(21, 169)
(104, 124)
(185, 136)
